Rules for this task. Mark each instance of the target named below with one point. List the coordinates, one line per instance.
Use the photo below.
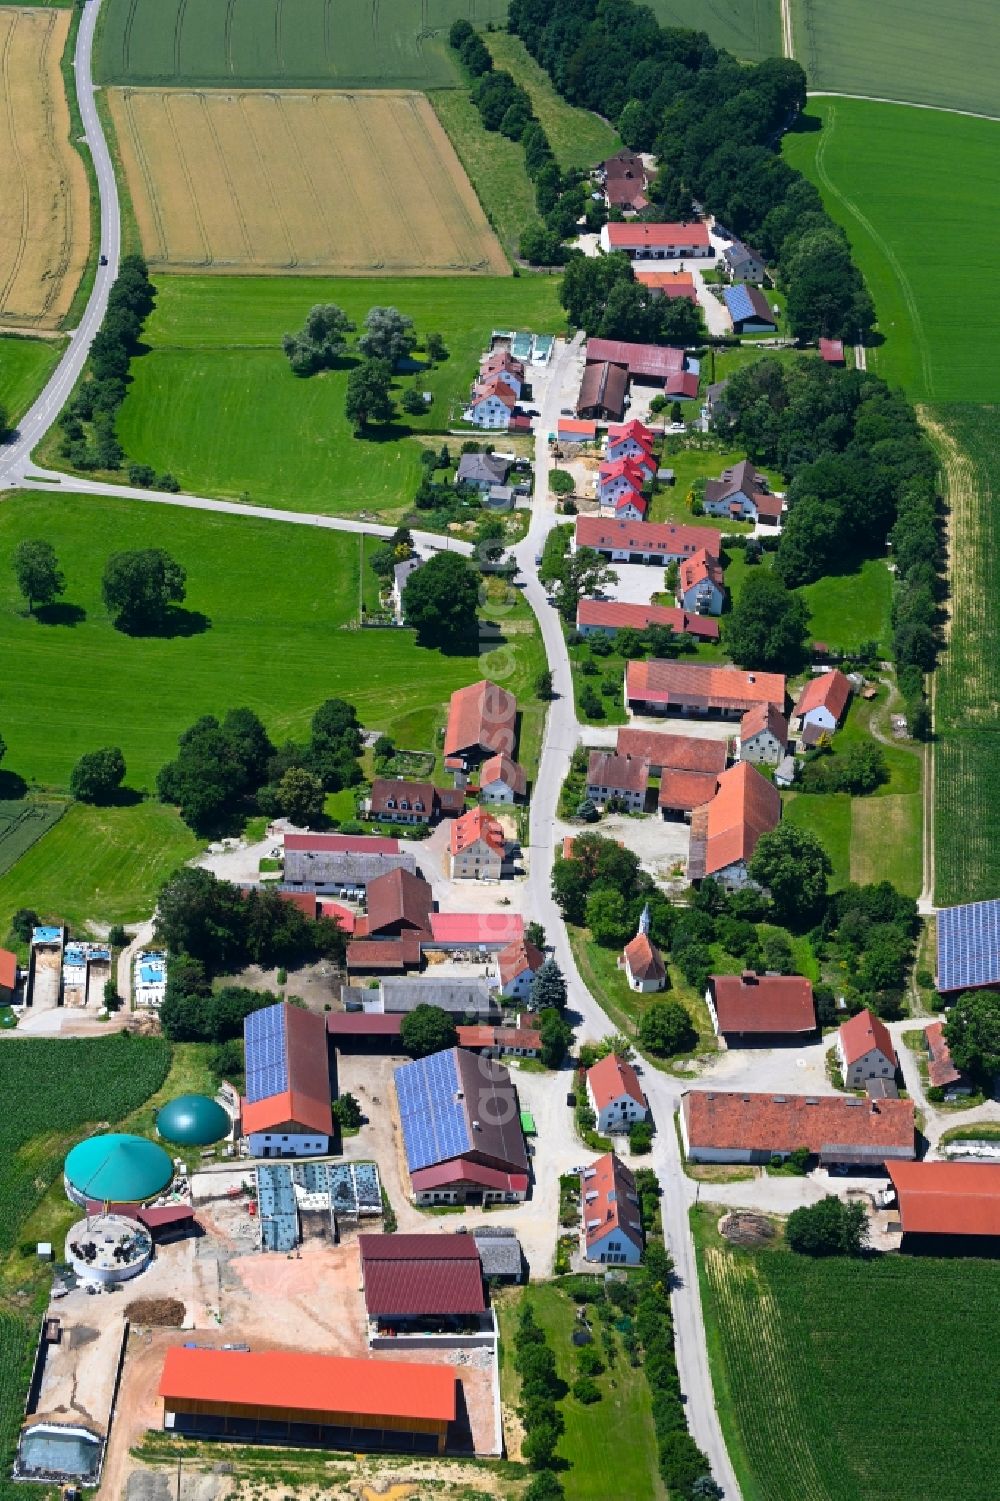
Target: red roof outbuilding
(763, 1004)
(947, 1198)
(421, 1276)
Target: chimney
(748, 977)
(751, 678)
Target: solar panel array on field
(266, 1053)
(431, 1109)
(968, 946)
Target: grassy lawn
(886, 835)
(722, 363)
(670, 503)
(828, 816)
(215, 403)
(913, 50)
(579, 139)
(599, 968)
(852, 607)
(787, 1325)
(495, 167)
(892, 176)
(25, 366)
(599, 1466)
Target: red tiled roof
(577, 427)
(363, 1024)
(516, 958)
(832, 350)
(694, 570)
(630, 468)
(494, 386)
(764, 717)
(421, 1275)
(384, 955)
(611, 1077)
(751, 1003)
(345, 918)
(398, 789)
(644, 960)
(645, 536)
(293, 1379)
(685, 790)
(306, 1101)
(631, 498)
(655, 361)
(398, 897)
(8, 969)
(703, 686)
(745, 806)
(504, 769)
(305, 901)
(481, 717)
(618, 773)
(861, 1033)
(602, 390)
(501, 359)
(678, 752)
(656, 236)
(610, 612)
(947, 1198)
(780, 1123)
(491, 929)
(829, 690)
(477, 824)
(670, 283)
(615, 1205)
(681, 383)
(344, 844)
(631, 429)
(459, 1170)
(940, 1070)
(503, 1038)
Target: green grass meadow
(578, 138)
(283, 43)
(749, 29)
(916, 192)
(493, 164)
(25, 366)
(916, 51)
(216, 403)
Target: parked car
(571, 1099)
(104, 260)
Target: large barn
(287, 1108)
(944, 1199)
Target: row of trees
(89, 439)
(224, 767)
(715, 125)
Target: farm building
(725, 831)
(658, 543)
(968, 947)
(749, 310)
(459, 997)
(481, 471)
(625, 182)
(500, 1042)
(500, 1254)
(399, 903)
(337, 873)
(657, 687)
(700, 585)
(193, 1120)
(482, 720)
(606, 617)
(461, 1130)
(576, 430)
(394, 800)
(741, 494)
(474, 932)
(502, 780)
(8, 977)
(727, 1126)
(612, 1219)
(115, 1168)
(340, 844)
(822, 701)
(617, 779)
(760, 1009)
(632, 440)
(831, 351)
(943, 1199)
(666, 753)
(417, 1284)
(286, 1110)
(651, 364)
(865, 1050)
(615, 1095)
(301, 1398)
(384, 956)
(658, 242)
(673, 285)
(941, 1071)
(763, 737)
(476, 847)
(364, 1031)
(741, 264)
(149, 978)
(642, 961)
(602, 392)
(517, 966)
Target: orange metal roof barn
(947, 1198)
(8, 969)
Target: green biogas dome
(193, 1120)
(117, 1169)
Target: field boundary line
(943, 109)
(178, 30)
(62, 264)
(923, 347)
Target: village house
(658, 543)
(658, 687)
(499, 1042)
(617, 779)
(615, 1095)
(674, 285)
(741, 264)
(714, 399)
(750, 310)
(841, 1130)
(477, 847)
(618, 478)
(606, 617)
(761, 1009)
(865, 1050)
(502, 780)
(602, 392)
(763, 737)
(941, 1071)
(642, 961)
(700, 585)
(625, 182)
(631, 506)
(482, 722)
(725, 831)
(741, 494)
(481, 471)
(501, 365)
(612, 1219)
(632, 440)
(517, 966)
(394, 800)
(492, 405)
(822, 702)
(658, 242)
(651, 364)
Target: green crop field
(25, 365)
(578, 138)
(280, 43)
(915, 191)
(916, 51)
(967, 751)
(22, 823)
(807, 1413)
(216, 403)
(749, 29)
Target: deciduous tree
(36, 570)
(140, 586)
(98, 775)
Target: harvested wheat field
(45, 218)
(357, 184)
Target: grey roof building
(481, 470)
(500, 1253)
(459, 997)
(330, 870)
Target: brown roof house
(763, 735)
(865, 1050)
(741, 494)
(625, 182)
(612, 1221)
(395, 800)
(502, 780)
(822, 702)
(752, 1008)
(724, 832)
(477, 846)
(602, 392)
(688, 767)
(617, 779)
(642, 961)
(482, 722)
(727, 1126)
(941, 1071)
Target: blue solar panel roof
(435, 1124)
(738, 302)
(968, 946)
(266, 1053)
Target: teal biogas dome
(117, 1169)
(193, 1120)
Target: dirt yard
(45, 224)
(299, 182)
